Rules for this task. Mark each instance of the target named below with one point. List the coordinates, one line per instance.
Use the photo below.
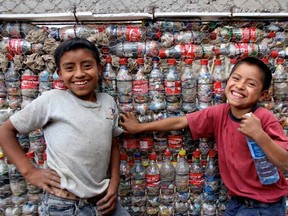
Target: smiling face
(244, 88)
(79, 71)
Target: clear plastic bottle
(167, 174)
(29, 83)
(182, 173)
(232, 63)
(152, 185)
(156, 87)
(31, 188)
(280, 83)
(17, 181)
(109, 78)
(189, 84)
(138, 178)
(172, 82)
(267, 172)
(124, 82)
(211, 178)
(138, 186)
(204, 86)
(13, 86)
(153, 176)
(5, 190)
(125, 180)
(57, 82)
(45, 80)
(196, 174)
(219, 82)
(140, 87)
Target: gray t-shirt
(78, 135)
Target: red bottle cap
(171, 61)
(188, 61)
(140, 61)
(167, 153)
(108, 59)
(217, 62)
(30, 154)
(265, 60)
(204, 62)
(274, 54)
(162, 53)
(212, 153)
(196, 153)
(153, 156)
(122, 61)
(279, 61)
(233, 61)
(123, 156)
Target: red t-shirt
(235, 162)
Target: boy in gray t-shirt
(80, 127)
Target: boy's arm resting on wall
(132, 126)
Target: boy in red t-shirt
(248, 82)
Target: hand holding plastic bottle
(250, 125)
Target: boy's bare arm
(43, 178)
(132, 126)
(12, 149)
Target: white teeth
(237, 94)
(80, 83)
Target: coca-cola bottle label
(140, 87)
(172, 87)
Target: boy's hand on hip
(44, 178)
(108, 203)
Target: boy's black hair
(267, 74)
(75, 43)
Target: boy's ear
(59, 74)
(265, 95)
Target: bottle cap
(162, 53)
(182, 152)
(274, 54)
(204, 62)
(188, 61)
(279, 61)
(272, 34)
(265, 60)
(122, 61)
(40, 162)
(217, 62)
(153, 156)
(137, 156)
(196, 153)
(140, 61)
(30, 154)
(1, 155)
(167, 153)
(123, 156)
(171, 61)
(212, 153)
(108, 59)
